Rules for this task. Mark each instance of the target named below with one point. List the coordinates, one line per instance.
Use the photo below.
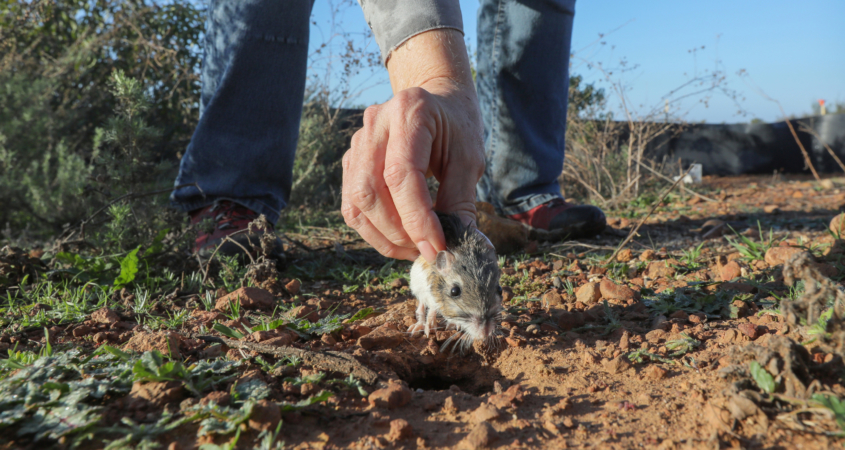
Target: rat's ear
(443, 262)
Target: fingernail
(427, 251)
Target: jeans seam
(494, 113)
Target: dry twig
(329, 361)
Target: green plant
(750, 250)
(683, 345)
(835, 405)
(765, 381)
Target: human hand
(431, 125)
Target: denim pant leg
(253, 81)
(523, 88)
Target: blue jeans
(253, 81)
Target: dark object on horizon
(753, 148)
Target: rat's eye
(456, 291)
(499, 290)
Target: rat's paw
(417, 329)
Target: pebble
(393, 396)
(400, 430)
(625, 255)
(837, 225)
(655, 372)
(293, 286)
(613, 291)
(750, 330)
(730, 271)
(481, 436)
(557, 282)
(780, 255)
(588, 293)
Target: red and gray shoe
(225, 218)
(557, 219)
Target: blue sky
(793, 52)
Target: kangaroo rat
(462, 284)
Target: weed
(690, 257)
(750, 250)
(835, 405)
(208, 300)
(683, 345)
(640, 356)
(765, 381)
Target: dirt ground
(655, 349)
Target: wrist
(435, 58)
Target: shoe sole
(576, 231)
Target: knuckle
(414, 222)
(395, 175)
(351, 215)
(370, 116)
(363, 197)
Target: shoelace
(231, 215)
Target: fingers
(406, 161)
(367, 204)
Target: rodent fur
(469, 264)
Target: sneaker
(227, 219)
(557, 219)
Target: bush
(56, 60)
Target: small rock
(515, 341)
(655, 336)
(680, 315)
(265, 416)
(730, 271)
(261, 336)
(625, 255)
(569, 320)
(400, 430)
(293, 286)
(308, 389)
(328, 339)
(659, 322)
(82, 330)
(697, 318)
(106, 316)
(249, 298)
(304, 311)
(507, 398)
(552, 299)
(780, 255)
(394, 396)
(485, 413)
(647, 255)
(611, 290)
(617, 365)
(221, 398)
(157, 394)
(449, 406)
(837, 225)
(750, 330)
(588, 293)
(624, 341)
(771, 209)
(556, 281)
(281, 341)
(207, 317)
(655, 372)
(481, 436)
(165, 342)
(662, 269)
(381, 338)
(398, 283)
(103, 337)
